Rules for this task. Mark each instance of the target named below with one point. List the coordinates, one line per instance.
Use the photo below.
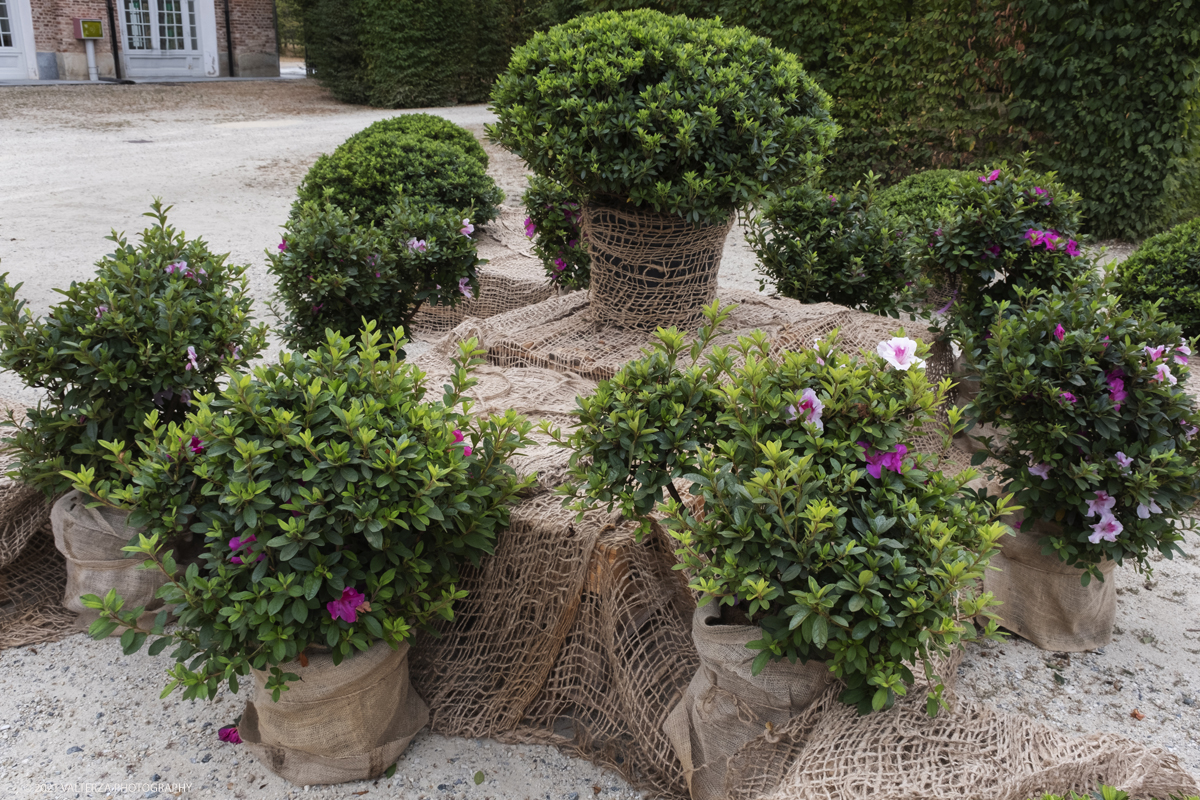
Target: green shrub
(1012, 228)
(820, 247)
(331, 271)
(842, 544)
(1100, 432)
(922, 196)
(554, 225)
(369, 175)
(680, 116)
(1106, 793)
(333, 47)
(326, 479)
(1166, 268)
(155, 328)
(425, 126)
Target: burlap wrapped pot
(339, 723)
(650, 270)
(90, 540)
(725, 706)
(1043, 599)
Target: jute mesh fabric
(650, 270)
(511, 280)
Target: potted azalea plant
(156, 327)
(338, 505)
(1100, 452)
(626, 113)
(822, 545)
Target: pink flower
(196, 445)
(235, 350)
(877, 462)
(1041, 470)
(1144, 512)
(191, 357)
(1189, 431)
(1163, 373)
(1034, 237)
(1072, 248)
(417, 245)
(1107, 529)
(1067, 397)
(1155, 353)
(102, 310)
(572, 242)
(1123, 461)
(900, 352)
(1101, 505)
(178, 266)
(236, 544)
(460, 439)
(1059, 332)
(316, 309)
(810, 407)
(229, 734)
(993, 175)
(464, 288)
(530, 228)
(993, 250)
(559, 264)
(283, 245)
(347, 606)
(1181, 353)
(467, 229)
(833, 199)
(1105, 341)
(1116, 387)
(1039, 191)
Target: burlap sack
(1043, 600)
(650, 270)
(725, 706)
(348, 722)
(91, 540)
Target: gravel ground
(81, 160)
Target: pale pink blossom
(1155, 353)
(417, 245)
(1144, 512)
(464, 288)
(1181, 354)
(1163, 373)
(900, 352)
(467, 229)
(191, 357)
(808, 409)
(1123, 461)
(1041, 470)
(1107, 529)
(1101, 505)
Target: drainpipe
(275, 20)
(229, 41)
(112, 33)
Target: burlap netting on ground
(649, 269)
(513, 277)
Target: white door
(14, 55)
(162, 38)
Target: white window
(161, 25)
(6, 26)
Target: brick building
(153, 38)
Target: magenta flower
(1189, 430)
(1163, 373)
(1181, 353)
(178, 266)
(1116, 388)
(1041, 470)
(1144, 511)
(900, 352)
(467, 229)
(1067, 397)
(990, 177)
(1059, 332)
(877, 462)
(1072, 248)
(283, 245)
(572, 242)
(464, 288)
(347, 606)
(460, 439)
(196, 445)
(1101, 505)
(1155, 353)
(1107, 529)
(236, 545)
(1039, 191)
(1034, 237)
(530, 228)
(191, 357)
(809, 407)
(102, 310)
(1105, 341)
(229, 734)
(316, 309)
(993, 250)
(833, 199)
(1123, 461)
(559, 264)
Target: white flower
(1144, 513)
(900, 352)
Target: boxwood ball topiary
(678, 115)
(425, 126)
(1167, 268)
(919, 196)
(368, 175)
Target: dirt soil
(78, 161)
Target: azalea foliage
(158, 325)
(1100, 432)
(337, 505)
(816, 515)
(554, 223)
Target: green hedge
(921, 196)
(1167, 268)
(424, 126)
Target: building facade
(151, 38)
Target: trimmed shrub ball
(918, 197)
(425, 126)
(1167, 268)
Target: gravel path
(81, 160)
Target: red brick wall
(53, 31)
(253, 25)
